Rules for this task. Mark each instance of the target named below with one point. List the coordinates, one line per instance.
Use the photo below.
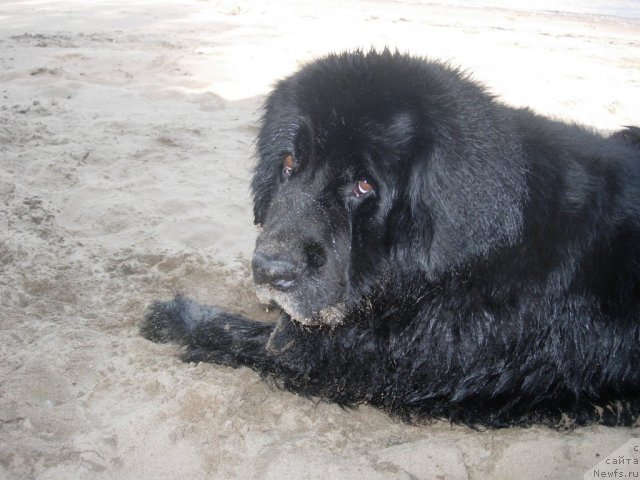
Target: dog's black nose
(279, 272)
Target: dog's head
(374, 164)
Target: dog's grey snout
(279, 272)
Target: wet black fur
(493, 278)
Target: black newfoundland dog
(435, 253)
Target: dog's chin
(330, 316)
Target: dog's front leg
(213, 335)
(339, 365)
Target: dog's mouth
(331, 315)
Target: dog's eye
(362, 188)
(287, 164)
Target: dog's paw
(209, 333)
(175, 321)
(164, 322)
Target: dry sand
(126, 142)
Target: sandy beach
(126, 146)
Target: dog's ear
(275, 137)
(460, 202)
(276, 140)
(263, 186)
(283, 131)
